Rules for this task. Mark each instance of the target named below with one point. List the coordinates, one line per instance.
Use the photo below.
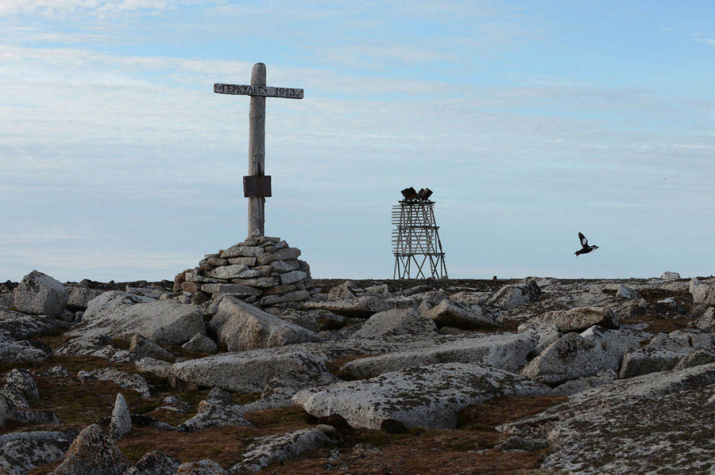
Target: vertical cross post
(257, 186)
(257, 150)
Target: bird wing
(584, 241)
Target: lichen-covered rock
(580, 318)
(267, 450)
(121, 420)
(426, 396)
(547, 333)
(40, 294)
(200, 343)
(124, 380)
(241, 326)
(91, 453)
(202, 467)
(12, 351)
(154, 463)
(703, 293)
(649, 360)
(22, 380)
(361, 307)
(5, 410)
(569, 388)
(706, 322)
(121, 315)
(655, 423)
(20, 452)
(20, 326)
(213, 414)
(396, 322)
(79, 297)
(700, 356)
(451, 314)
(670, 275)
(344, 291)
(507, 352)
(576, 355)
(515, 295)
(141, 348)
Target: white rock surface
(580, 318)
(121, 421)
(399, 321)
(427, 396)
(124, 380)
(121, 315)
(20, 452)
(40, 294)
(451, 314)
(267, 450)
(515, 295)
(507, 352)
(92, 452)
(241, 326)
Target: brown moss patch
(489, 414)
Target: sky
(530, 121)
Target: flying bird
(585, 248)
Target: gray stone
(21, 452)
(231, 289)
(656, 423)
(20, 326)
(201, 343)
(627, 293)
(515, 295)
(242, 251)
(361, 307)
(649, 360)
(569, 388)
(700, 356)
(345, 291)
(292, 277)
(267, 450)
(576, 355)
(703, 293)
(92, 452)
(523, 444)
(426, 396)
(706, 322)
(233, 272)
(215, 415)
(155, 463)
(34, 417)
(547, 333)
(40, 294)
(294, 296)
(22, 380)
(5, 410)
(258, 282)
(121, 421)
(79, 297)
(53, 372)
(243, 261)
(507, 352)
(670, 275)
(580, 319)
(241, 326)
(20, 352)
(124, 380)
(156, 367)
(285, 266)
(118, 315)
(202, 467)
(396, 322)
(141, 347)
(452, 314)
(286, 253)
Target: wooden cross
(257, 186)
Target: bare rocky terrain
(202, 375)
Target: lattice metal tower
(415, 237)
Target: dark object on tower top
(411, 195)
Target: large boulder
(507, 352)
(361, 307)
(656, 423)
(20, 326)
(241, 326)
(515, 295)
(451, 314)
(426, 396)
(154, 463)
(576, 355)
(121, 315)
(80, 296)
(703, 293)
(93, 452)
(706, 322)
(212, 414)
(20, 452)
(40, 294)
(397, 321)
(580, 318)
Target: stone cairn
(260, 270)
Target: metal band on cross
(257, 186)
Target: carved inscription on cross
(257, 186)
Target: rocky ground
(538, 375)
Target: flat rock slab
(361, 307)
(580, 318)
(656, 423)
(20, 326)
(121, 315)
(298, 366)
(507, 352)
(427, 396)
